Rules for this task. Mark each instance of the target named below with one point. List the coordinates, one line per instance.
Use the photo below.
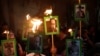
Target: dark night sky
(13, 12)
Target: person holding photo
(59, 48)
(19, 49)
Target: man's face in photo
(53, 23)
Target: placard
(80, 12)
(51, 25)
(9, 47)
(34, 43)
(73, 47)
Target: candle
(28, 17)
(70, 31)
(6, 32)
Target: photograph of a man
(80, 11)
(8, 49)
(35, 43)
(51, 25)
(73, 47)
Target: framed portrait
(51, 25)
(9, 48)
(80, 12)
(34, 43)
(73, 47)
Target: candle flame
(70, 30)
(27, 16)
(36, 23)
(6, 32)
(48, 12)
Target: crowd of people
(88, 42)
(88, 39)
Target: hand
(53, 50)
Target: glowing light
(35, 24)
(70, 30)
(6, 32)
(48, 12)
(28, 17)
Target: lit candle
(6, 32)
(28, 17)
(48, 11)
(35, 24)
(70, 31)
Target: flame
(6, 32)
(48, 12)
(70, 30)
(27, 16)
(35, 24)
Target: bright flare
(6, 32)
(69, 30)
(27, 16)
(48, 12)
(35, 24)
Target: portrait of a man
(73, 47)
(51, 25)
(8, 48)
(80, 11)
(35, 43)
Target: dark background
(13, 12)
